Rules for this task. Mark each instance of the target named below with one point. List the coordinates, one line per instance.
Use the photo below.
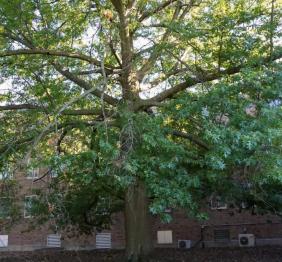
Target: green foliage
(222, 51)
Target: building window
(5, 207)
(6, 174)
(28, 205)
(217, 203)
(33, 173)
(164, 237)
(3, 240)
(53, 173)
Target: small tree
(143, 103)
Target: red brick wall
(262, 226)
(266, 226)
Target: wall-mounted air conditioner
(184, 244)
(246, 240)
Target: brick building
(222, 229)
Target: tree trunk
(137, 223)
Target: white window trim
(25, 211)
(33, 173)
(217, 204)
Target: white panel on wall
(3, 240)
(164, 237)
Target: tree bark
(137, 223)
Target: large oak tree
(141, 105)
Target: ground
(257, 254)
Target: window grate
(221, 235)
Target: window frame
(9, 175)
(35, 173)
(53, 173)
(220, 204)
(25, 205)
(9, 216)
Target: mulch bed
(257, 254)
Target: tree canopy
(144, 104)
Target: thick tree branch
(192, 138)
(42, 176)
(191, 81)
(159, 8)
(128, 77)
(67, 74)
(36, 51)
(111, 45)
(118, 6)
(156, 54)
(19, 107)
(60, 140)
(15, 144)
(85, 85)
(45, 109)
(145, 104)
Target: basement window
(5, 207)
(28, 205)
(217, 203)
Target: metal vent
(221, 235)
(54, 240)
(103, 240)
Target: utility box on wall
(164, 237)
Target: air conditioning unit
(246, 240)
(184, 244)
